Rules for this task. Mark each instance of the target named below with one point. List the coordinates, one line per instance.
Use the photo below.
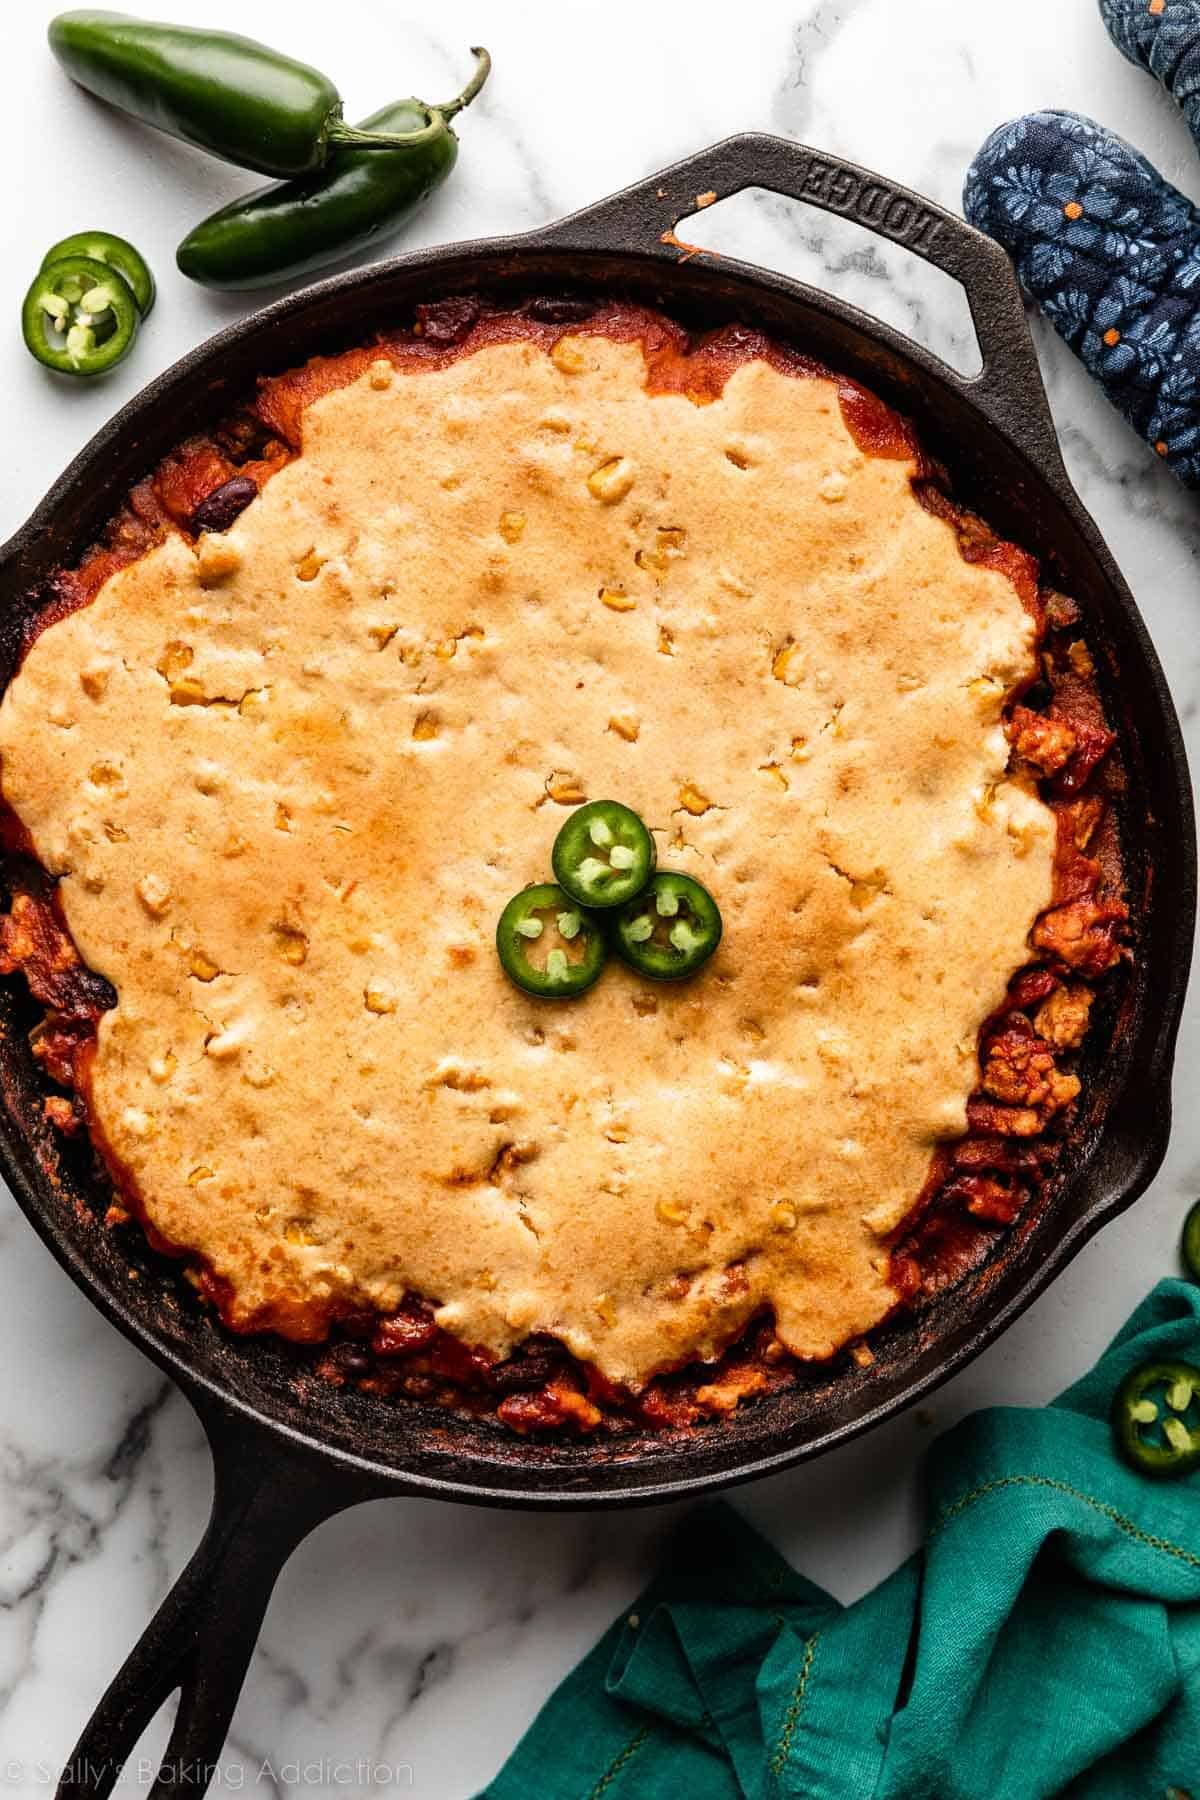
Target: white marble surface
(418, 1635)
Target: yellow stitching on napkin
(784, 1747)
(1062, 1487)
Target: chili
(291, 228)
(670, 929)
(943, 1239)
(603, 855)
(226, 94)
(79, 317)
(1174, 1449)
(548, 944)
(117, 252)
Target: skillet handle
(266, 1499)
(1009, 387)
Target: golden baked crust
(290, 775)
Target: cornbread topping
(288, 775)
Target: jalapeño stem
(438, 116)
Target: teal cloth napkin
(1046, 1640)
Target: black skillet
(290, 1450)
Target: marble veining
(408, 1643)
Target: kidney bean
(403, 1332)
(521, 1373)
(445, 322)
(218, 510)
(561, 309)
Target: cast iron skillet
(289, 1450)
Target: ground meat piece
(1062, 1019)
(725, 1394)
(405, 1331)
(554, 1405)
(1093, 746)
(1003, 1121)
(60, 1112)
(1081, 818)
(57, 1044)
(457, 1361)
(33, 941)
(668, 1406)
(1021, 1071)
(1046, 742)
(1004, 1153)
(1082, 934)
(1061, 610)
(1077, 875)
(1077, 704)
(987, 1198)
(576, 1408)
(904, 1273)
(944, 1248)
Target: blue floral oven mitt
(1103, 243)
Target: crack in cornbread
(289, 776)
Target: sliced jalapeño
(548, 944)
(603, 855)
(670, 929)
(1156, 1417)
(116, 252)
(79, 317)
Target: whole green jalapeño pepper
(292, 228)
(1191, 1242)
(226, 94)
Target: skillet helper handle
(203, 1635)
(645, 216)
